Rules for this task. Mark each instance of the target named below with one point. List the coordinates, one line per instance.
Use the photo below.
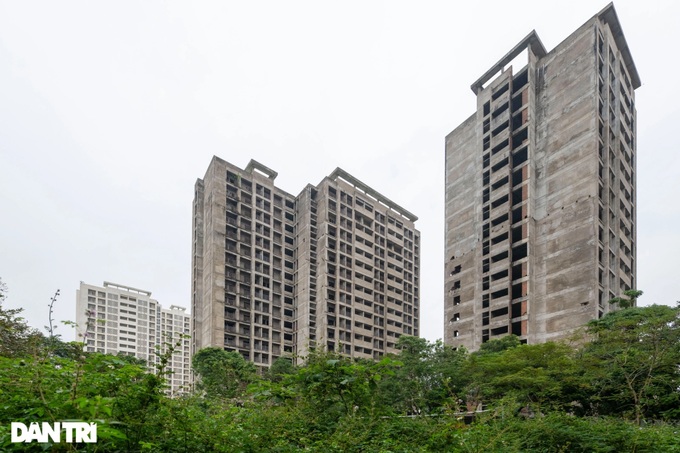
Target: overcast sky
(109, 111)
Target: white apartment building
(117, 319)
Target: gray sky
(109, 111)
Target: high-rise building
(274, 274)
(540, 190)
(117, 319)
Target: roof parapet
(608, 15)
(530, 41)
(342, 174)
(255, 165)
(127, 288)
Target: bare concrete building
(540, 190)
(275, 274)
(117, 319)
(357, 272)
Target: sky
(110, 111)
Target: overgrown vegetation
(617, 391)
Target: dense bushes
(617, 391)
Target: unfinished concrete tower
(336, 267)
(242, 282)
(540, 190)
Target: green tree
(428, 377)
(281, 367)
(338, 384)
(633, 362)
(499, 344)
(17, 339)
(537, 375)
(223, 374)
(630, 300)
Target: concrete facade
(274, 274)
(117, 319)
(540, 190)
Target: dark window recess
(485, 337)
(516, 310)
(499, 165)
(499, 201)
(485, 301)
(516, 215)
(485, 265)
(519, 157)
(499, 275)
(485, 284)
(486, 232)
(485, 197)
(499, 91)
(487, 107)
(519, 138)
(499, 257)
(500, 293)
(500, 109)
(485, 249)
(487, 161)
(517, 103)
(456, 300)
(500, 238)
(519, 252)
(517, 272)
(500, 147)
(520, 80)
(501, 128)
(517, 178)
(517, 196)
(487, 142)
(517, 121)
(485, 318)
(456, 270)
(517, 291)
(500, 183)
(499, 330)
(487, 125)
(500, 312)
(485, 215)
(500, 219)
(517, 328)
(517, 234)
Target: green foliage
(222, 374)
(428, 377)
(338, 385)
(280, 368)
(17, 339)
(617, 392)
(640, 348)
(499, 344)
(535, 375)
(630, 300)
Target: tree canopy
(617, 391)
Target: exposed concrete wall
(566, 190)
(463, 227)
(540, 193)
